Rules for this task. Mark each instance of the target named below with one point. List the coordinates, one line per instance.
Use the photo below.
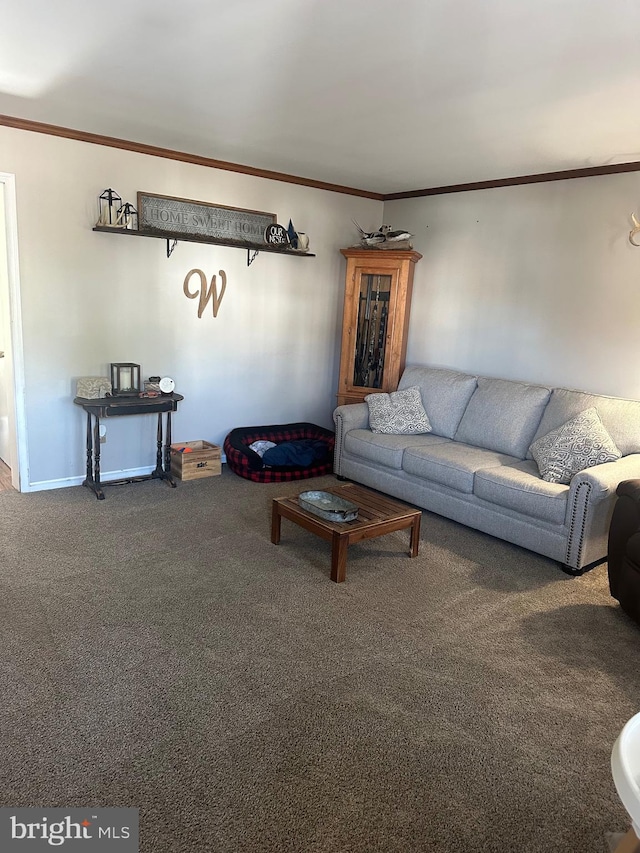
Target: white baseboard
(63, 483)
(105, 476)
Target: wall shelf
(173, 237)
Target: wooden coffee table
(377, 515)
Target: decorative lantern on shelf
(128, 217)
(125, 378)
(109, 203)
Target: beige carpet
(158, 651)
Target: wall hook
(634, 230)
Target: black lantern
(125, 378)
(128, 217)
(109, 203)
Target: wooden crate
(203, 460)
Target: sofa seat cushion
(452, 464)
(385, 449)
(503, 415)
(519, 487)
(445, 394)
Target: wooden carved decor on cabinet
(377, 302)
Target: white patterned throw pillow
(398, 413)
(577, 444)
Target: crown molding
(181, 156)
(568, 174)
(211, 163)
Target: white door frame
(19, 457)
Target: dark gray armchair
(624, 548)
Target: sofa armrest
(346, 418)
(604, 479)
(592, 497)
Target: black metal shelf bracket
(251, 256)
(170, 247)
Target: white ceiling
(383, 96)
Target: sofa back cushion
(503, 415)
(445, 394)
(621, 418)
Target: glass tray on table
(328, 506)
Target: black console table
(110, 407)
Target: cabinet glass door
(372, 319)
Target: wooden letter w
(205, 293)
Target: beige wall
(535, 282)
(88, 299)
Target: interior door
(5, 453)
(4, 412)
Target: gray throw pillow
(398, 413)
(579, 443)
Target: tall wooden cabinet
(377, 301)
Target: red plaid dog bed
(247, 463)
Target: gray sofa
(476, 467)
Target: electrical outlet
(103, 434)
(103, 439)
